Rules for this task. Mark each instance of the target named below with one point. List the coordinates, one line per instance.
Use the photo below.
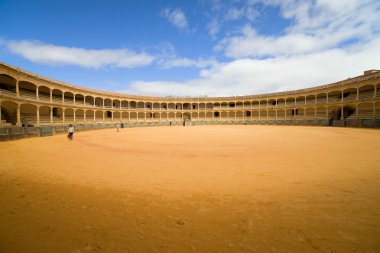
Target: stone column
(74, 99)
(374, 94)
(374, 110)
(327, 113)
(341, 113)
(37, 95)
(51, 115)
(51, 95)
(38, 115)
(63, 97)
(357, 112)
(84, 116)
(17, 89)
(74, 116)
(111, 113)
(94, 116)
(103, 113)
(18, 115)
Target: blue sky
(194, 47)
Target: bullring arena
(295, 171)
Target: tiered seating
(321, 100)
(366, 94)
(57, 98)
(44, 97)
(69, 100)
(351, 96)
(363, 114)
(334, 99)
(3, 123)
(27, 94)
(8, 91)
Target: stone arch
(68, 97)
(27, 90)
(365, 111)
(69, 115)
(79, 115)
(8, 112)
(8, 84)
(44, 93)
(366, 92)
(57, 95)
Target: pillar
(84, 116)
(74, 99)
(51, 95)
(375, 93)
(374, 110)
(103, 113)
(327, 113)
(111, 112)
(18, 115)
(38, 115)
(94, 116)
(51, 114)
(63, 97)
(357, 112)
(63, 115)
(17, 89)
(341, 113)
(74, 114)
(37, 96)
(357, 94)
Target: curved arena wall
(30, 100)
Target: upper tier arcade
(28, 99)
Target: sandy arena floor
(192, 189)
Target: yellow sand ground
(192, 189)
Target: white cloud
(213, 27)
(59, 55)
(234, 13)
(256, 76)
(169, 63)
(176, 17)
(316, 26)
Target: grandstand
(30, 100)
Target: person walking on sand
(70, 132)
